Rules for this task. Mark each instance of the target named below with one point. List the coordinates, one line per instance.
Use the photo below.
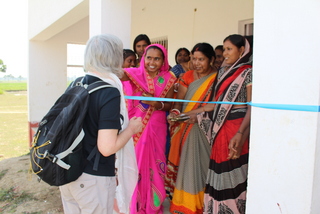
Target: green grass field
(13, 119)
(12, 86)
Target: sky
(14, 36)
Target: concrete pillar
(284, 165)
(47, 77)
(112, 17)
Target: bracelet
(239, 132)
(175, 111)
(161, 106)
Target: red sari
(226, 183)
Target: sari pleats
(189, 156)
(150, 145)
(150, 150)
(190, 183)
(226, 183)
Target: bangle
(239, 132)
(175, 111)
(162, 106)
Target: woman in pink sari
(151, 79)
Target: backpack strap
(96, 153)
(68, 151)
(97, 85)
(91, 88)
(77, 81)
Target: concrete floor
(166, 205)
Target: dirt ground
(20, 191)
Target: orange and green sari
(189, 154)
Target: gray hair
(104, 54)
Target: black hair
(236, 40)
(155, 47)
(219, 47)
(179, 50)
(139, 38)
(127, 53)
(239, 41)
(205, 48)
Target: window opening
(75, 61)
(246, 27)
(161, 40)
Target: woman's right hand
(235, 146)
(135, 124)
(193, 117)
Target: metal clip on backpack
(56, 154)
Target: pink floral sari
(150, 144)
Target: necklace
(205, 74)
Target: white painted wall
(316, 184)
(284, 152)
(47, 68)
(176, 19)
(284, 162)
(112, 17)
(49, 58)
(48, 18)
(212, 21)
(48, 49)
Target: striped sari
(227, 179)
(189, 155)
(226, 183)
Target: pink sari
(150, 144)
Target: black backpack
(56, 153)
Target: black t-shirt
(103, 113)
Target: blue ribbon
(309, 108)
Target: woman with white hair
(94, 190)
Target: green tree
(3, 67)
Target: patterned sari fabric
(189, 154)
(226, 183)
(150, 143)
